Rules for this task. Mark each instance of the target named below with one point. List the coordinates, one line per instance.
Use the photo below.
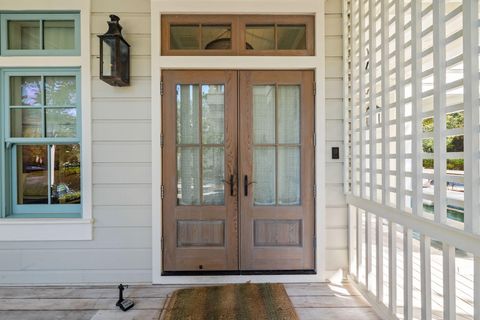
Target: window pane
(213, 176)
(187, 113)
(288, 114)
(25, 91)
(288, 175)
(264, 175)
(61, 122)
(65, 174)
(216, 37)
(26, 123)
(32, 174)
(60, 91)
(264, 114)
(188, 176)
(23, 35)
(184, 37)
(260, 37)
(291, 37)
(58, 34)
(213, 114)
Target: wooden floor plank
(129, 315)
(76, 304)
(47, 315)
(329, 301)
(336, 313)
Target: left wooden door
(199, 119)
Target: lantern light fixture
(114, 55)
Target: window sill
(45, 229)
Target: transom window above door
(238, 35)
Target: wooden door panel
(199, 211)
(277, 170)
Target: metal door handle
(231, 183)
(246, 184)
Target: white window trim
(52, 228)
(316, 62)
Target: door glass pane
(213, 114)
(24, 35)
(264, 114)
(184, 37)
(264, 176)
(288, 114)
(25, 91)
(188, 175)
(58, 34)
(260, 37)
(213, 176)
(60, 91)
(291, 37)
(288, 175)
(25, 123)
(216, 37)
(65, 174)
(32, 174)
(61, 122)
(187, 114)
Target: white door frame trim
(316, 63)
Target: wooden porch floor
(312, 301)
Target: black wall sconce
(114, 55)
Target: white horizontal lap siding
(336, 212)
(121, 172)
(121, 125)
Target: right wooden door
(276, 170)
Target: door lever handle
(231, 183)
(246, 184)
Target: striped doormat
(230, 302)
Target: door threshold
(236, 272)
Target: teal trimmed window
(40, 34)
(41, 139)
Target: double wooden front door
(238, 170)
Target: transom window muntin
(55, 34)
(42, 130)
(237, 35)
